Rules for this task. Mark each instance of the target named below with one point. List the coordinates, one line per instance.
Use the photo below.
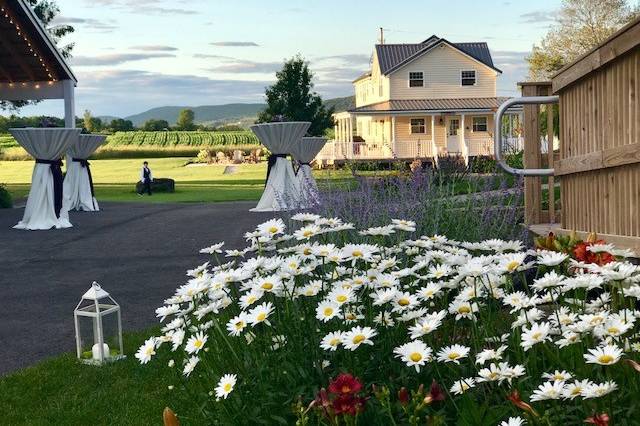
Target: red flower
(403, 396)
(598, 419)
(348, 404)
(436, 393)
(514, 397)
(582, 254)
(345, 384)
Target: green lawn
(62, 391)
(115, 180)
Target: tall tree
(91, 123)
(153, 125)
(46, 11)
(186, 120)
(580, 26)
(292, 97)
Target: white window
(416, 79)
(468, 78)
(479, 124)
(417, 125)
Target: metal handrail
(497, 138)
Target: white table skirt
(304, 152)
(282, 189)
(44, 144)
(77, 185)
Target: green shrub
(482, 164)
(5, 198)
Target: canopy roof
(432, 105)
(27, 53)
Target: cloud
(209, 56)
(240, 66)
(116, 58)
(155, 48)
(152, 7)
(234, 43)
(539, 17)
(86, 23)
(107, 92)
(514, 69)
(358, 59)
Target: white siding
(372, 89)
(441, 67)
(479, 143)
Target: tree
(90, 123)
(580, 26)
(292, 97)
(121, 125)
(154, 125)
(46, 11)
(185, 120)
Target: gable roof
(393, 56)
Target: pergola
(31, 67)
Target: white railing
(336, 150)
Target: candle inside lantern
(95, 351)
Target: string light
(22, 35)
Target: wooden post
(433, 134)
(393, 134)
(551, 183)
(532, 157)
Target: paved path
(138, 252)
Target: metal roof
(411, 105)
(393, 56)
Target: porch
(422, 135)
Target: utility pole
(381, 35)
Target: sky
(132, 55)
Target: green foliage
(482, 164)
(120, 125)
(186, 120)
(90, 123)
(12, 121)
(5, 197)
(172, 138)
(292, 97)
(580, 26)
(154, 125)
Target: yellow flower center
(306, 251)
(261, 316)
(464, 309)
(227, 387)
(415, 357)
(493, 375)
(403, 302)
(613, 330)
(250, 300)
(267, 286)
(328, 312)
(307, 233)
(359, 338)
(605, 359)
(576, 391)
(198, 343)
(558, 377)
(536, 335)
(293, 265)
(334, 342)
(273, 229)
(513, 265)
(356, 253)
(149, 351)
(453, 355)
(341, 298)
(351, 316)
(239, 325)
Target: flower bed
(330, 325)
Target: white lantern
(98, 327)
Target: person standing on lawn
(146, 178)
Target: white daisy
(596, 390)
(490, 354)
(237, 324)
(271, 228)
(548, 390)
(215, 248)
(462, 385)
(558, 376)
(575, 389)
(604, 355)
(261, 314)
(327, 310)
(196, 343)
(538, 332)
(414, 354)
(513, 421)
(225, 386)
(357, 336)
(147, 350)
(190, 365)
(453, 353)
(331, 341)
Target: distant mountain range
(242, 114)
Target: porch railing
(406, 150)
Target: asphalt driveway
(137, 252)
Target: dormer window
(468, 78)
(416, 79)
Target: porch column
(433, 135)
(69, 103)
(335, 130)
(393, 134)
(463, 147)
(350, 129)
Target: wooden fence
(598, 163)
